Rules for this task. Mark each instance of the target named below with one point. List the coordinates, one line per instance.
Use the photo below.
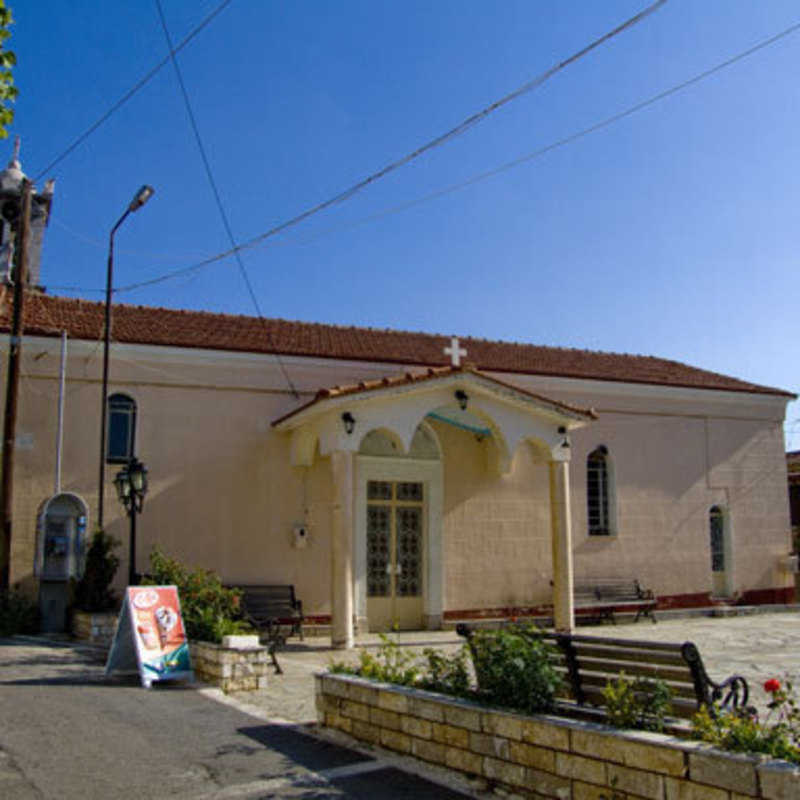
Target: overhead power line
(530, 156)
(130, 93)
(103, 246)
(459, 129)
(218, 199)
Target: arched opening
(718, 535)
(60, 551)
(121, 440)
(600, 493)
(398, 531)
(384, 443)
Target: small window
(598, 492)
(121, 429)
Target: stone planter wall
(94, 627)
(545, 756)
(232, 669)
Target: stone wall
(546, 756)
(233, 669)
(95, 628)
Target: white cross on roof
(455, 352)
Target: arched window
(599, 492)
(121, 429)
(716, 527)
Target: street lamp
(139, 199)
(131, 485)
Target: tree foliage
(210, 611)
(515, 668)
(8, 59)
(93, 591)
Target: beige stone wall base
(545, 755)
(231, 669)
(94, 627)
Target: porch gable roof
(364, 390)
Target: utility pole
(12, 383)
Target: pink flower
(772, 685)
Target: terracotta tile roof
(432, 373)
(46, 315)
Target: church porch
(398, 451)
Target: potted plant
(96, 603)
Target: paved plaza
(258, 744)
(757, 646)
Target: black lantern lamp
(349, 422)
(462, 398)
(131, 485)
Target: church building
(394, 478)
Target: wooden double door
(395, 554)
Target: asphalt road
(68, 732)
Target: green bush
(515, 668)
(18, 614)
(448, 674)
(392, 663)
(210, 611)
(639, 703)
(743, 731)
(93, 591)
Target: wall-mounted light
(349, 422)
(462, 398)
(565, 443)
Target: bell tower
(11, 180)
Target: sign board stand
(150, 638)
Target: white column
(342, 550)
(562, 546)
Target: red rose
(772, 685)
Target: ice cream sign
(151, 626)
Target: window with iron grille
(121, 429)
(598, 492)
(716, 523)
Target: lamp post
(140, 198)
(131, 485)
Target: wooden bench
(274, 611)
(588, 663)
(601, 597)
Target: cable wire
(454, 132)
(538, 153)
(130, 93)
(217, 197)
(459, 129)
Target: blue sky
(673, 232)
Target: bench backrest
(269, 601)
(607, 590)
(588, 663)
